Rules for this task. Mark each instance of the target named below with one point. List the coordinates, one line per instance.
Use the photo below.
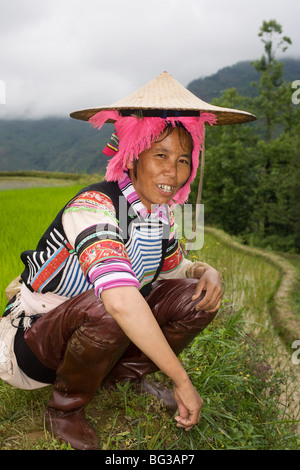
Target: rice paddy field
(26, 214)
(240, 366)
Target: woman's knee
(172, 299)
(49, 335)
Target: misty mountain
(52, 144)
(68, 145)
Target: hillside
(239, 76)
(52, 144)
(68, 145)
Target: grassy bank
(264, 284)
(30, 179)
(53, 175)
(279, 271)
(295, 297)
(237, 364)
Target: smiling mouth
(165, 188)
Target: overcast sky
(63, 55)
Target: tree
(269, 104)
(271, 34)
(251, 185)
(230, 171)
(273, 220)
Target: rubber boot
(89, 342)
(171, 304)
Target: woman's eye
(185, 162)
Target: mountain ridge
(240, 76)
(67, 145)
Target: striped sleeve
(91, 225)
(103, 258)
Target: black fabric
(28, 362)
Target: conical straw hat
(166, 93)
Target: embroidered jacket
(127, 246)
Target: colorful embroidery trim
(173, 260)
(51, 268)
(93, 201)
(100, 251)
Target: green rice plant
(248, 281)
(25, 215)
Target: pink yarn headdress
(137, 134)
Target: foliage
(251, 185)
(271, 87)
(230, 179)
(271, 34)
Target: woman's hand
(189, 405)
(210, 283)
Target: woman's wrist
(181, 378)
(196, 269)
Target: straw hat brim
(166, 93)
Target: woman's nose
(171, 168)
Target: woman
(107, 295)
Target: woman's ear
(132, 167)
(129, 164)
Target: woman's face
(162, 169)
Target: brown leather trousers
(84, 317)
(84, 344)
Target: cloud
(63, 55)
